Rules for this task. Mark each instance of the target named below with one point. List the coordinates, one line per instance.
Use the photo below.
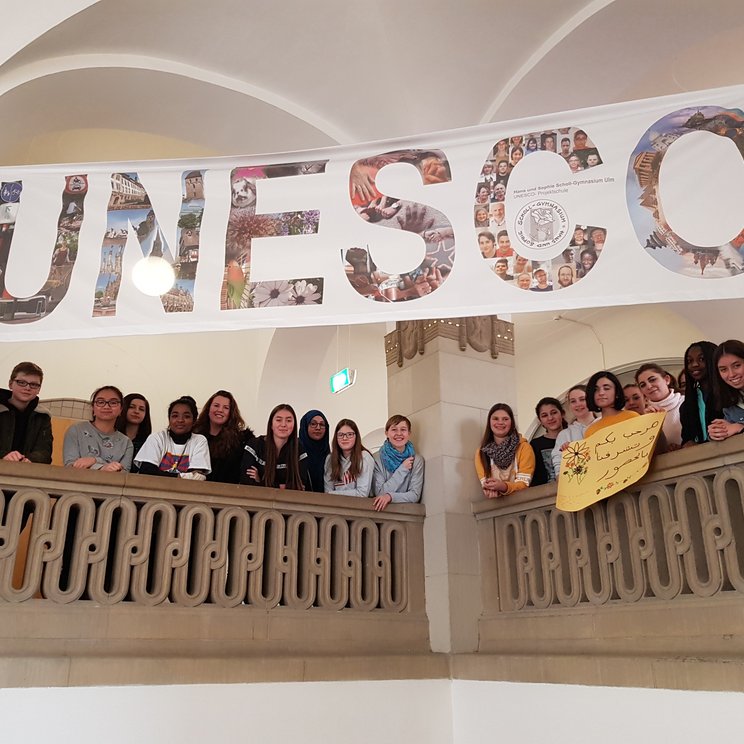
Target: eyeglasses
(101, 403)
(27, 384)
(316, 425)
(345, 435)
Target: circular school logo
(541, 224)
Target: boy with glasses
(25, 427)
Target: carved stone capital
(482, 333)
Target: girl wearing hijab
(699, 408)
(313, 435)
(505, 461)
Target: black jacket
(37, 446)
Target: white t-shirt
(160, 449)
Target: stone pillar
(445, 375)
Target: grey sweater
(84, 440)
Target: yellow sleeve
(479, 466)
(525, 468)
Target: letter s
(398, 214)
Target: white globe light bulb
(153, 276)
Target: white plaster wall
(382, 712)
(160, 367)
(552, 355)
(261, 368)
(390, 712)
(566, 714)
(301, 361)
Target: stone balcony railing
(150, 580)
(132, 566)
(655, 572)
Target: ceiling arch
(60, 83)
(536, 57)
(340, 72)
(29, 23)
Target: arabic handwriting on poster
(610, 460)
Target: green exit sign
(342, 380)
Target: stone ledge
(674, 673)
(48, 671)
(40, 628)
(671, 673)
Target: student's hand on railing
(718, 429)
(381, 502)
(83, 463)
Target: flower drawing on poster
(576, 458)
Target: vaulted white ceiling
(247, 76)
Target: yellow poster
(607, 462)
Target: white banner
(631, 203)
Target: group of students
(709, 408)
(214, 444)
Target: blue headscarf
(317, 450)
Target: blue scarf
(391, 458)
(701, 412)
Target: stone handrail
(142, 544)
(674, 537)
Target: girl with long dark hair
(552, 418)
(134, 420)
(276, 459)
(728, 361)
(223, 427)
(700, 407)
(604, 395)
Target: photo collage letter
(542, 224)
(52, 292)
(388, 211)
(238, 291)
(129, 206)
(653, 231)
